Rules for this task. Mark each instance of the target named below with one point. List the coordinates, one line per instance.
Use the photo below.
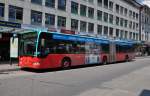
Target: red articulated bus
(43, 50)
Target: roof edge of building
(134, 2)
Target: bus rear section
(125, 50)
(117, 51)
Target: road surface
(72, 82)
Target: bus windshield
(28, 43)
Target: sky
(146, 2)
(140, 0)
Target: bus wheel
(127, 58)
(66, 63)
(104, 62)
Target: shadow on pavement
(71, 68)
(4, 73)
(145, 93)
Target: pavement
(8, 67)
(141, 57)
(134, 84)
(124, 79)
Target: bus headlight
(36, 63)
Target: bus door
(92, 55)
(112, 52)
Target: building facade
(145, 29)
(107, 18)
(110, 18)
(145, 23)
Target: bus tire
(104, 62)
(127, 58)
(66, 63)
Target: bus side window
(82, 48)
(61, 47)
(105, 48)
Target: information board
(13, 47)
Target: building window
(126, 34)
(121, 10)
(105, 30)
(146, 36)
(49, 19)
(83, 26)
(111, 18)
(91, 12)
(137, 16)
(90, 27)
(91, 1)
(117, 20)
(74, 7)
(130, 13)
(134, 25)
(2, 6)
(99, 29)
(117, 8)
(74, 24)
(130, 35)
(130, 24)
(126, 23)
(83, 10)
(106, 3)
(36, 17)
(125, 11)
(117, 32)
(61, 22)
(133, 36)
(121, 22)
(111, 32)
(111, 4)
(134, 15)
(62, 4)
(137, 35)
(121, 34)
(15, 13)
(50, 3)
(99, 2)
(37, 2)
(99, 15)
(137, 26)
(105, 17)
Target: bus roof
(79, 38)
(124, 42)
(91, 39)
(99, 40)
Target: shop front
(7, 30)
(147, 48)
(5, 46)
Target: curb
(142, 57)
(7, 67)
(7, 70)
